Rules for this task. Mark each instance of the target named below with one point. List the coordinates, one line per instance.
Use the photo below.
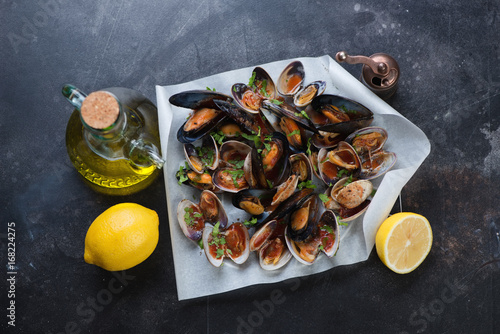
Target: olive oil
(122, 158)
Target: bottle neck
(115, 130)
(103, 116)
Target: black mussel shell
(289, 204)
(312, 220)
(359, 115)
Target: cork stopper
(100, 110)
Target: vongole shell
(250, 97)
(352, 197)
(233, 152)
(270, 244)
(369, 139)
(236, 245)
(376, 164)
(187, 210)
(291, 78)
(338, 162)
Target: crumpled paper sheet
(195, 276)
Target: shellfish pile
(297, 161)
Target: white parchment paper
(195, 276)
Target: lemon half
(403, 241)
(122, 237)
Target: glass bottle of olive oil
(112, 139)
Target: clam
(206, 114)
(334, 164)
(300, 165)
(190, 219)
(291, 79)
(325, 139)
(234, 153)
(370, 139)
(343, 115)
(376, 164)
(270, 243)
(230, 179)
(305, 96)
(351, 197)
(233, 242)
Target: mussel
(342, 115)
(206, 114)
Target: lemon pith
(403, 241)
(121, 237)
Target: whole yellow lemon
(122, 237)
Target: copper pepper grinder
(380, 72)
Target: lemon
(121, 237)
(403, 241)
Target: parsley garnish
(235, 175)
(306, 184)
(253, 137)
(276, 101)
(302, 114)
(327, 228)
(342, 172)
(348, 111)
(211, 89)
(349, 180)
(324, 198)
(295, 132)
(342, 223)
(251, 222)
(269, 183)
(218, 136)
(181, 174)
(251, 82)
(218, 240)
(308, 151)
(237, 163)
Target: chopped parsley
(308, 151)
(218, 240)
(181, 174)
(255, 137)
(302, 114)
(276, 102)
(306, 184)
(251, 82)
(269, 183)
(348, 111)
(237, 163)
(342, 172)
(327, 229)
(342, 223)
(349, 180)
(251, 222)
(235, 175)
(218, 136)
(211, 89)
(295, 132)
(374, 191)
(324, 198)
(190, 215)
(206, 155)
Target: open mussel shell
(204, 156)
(305, 96)
(295, 134)
(376, 164)
(283, 109)
(304, 219)
(325, 236)
(352, 197)
(369, 139)
(248, 202)
(206, 114)
(234, 152)
(300, 165)
(236, 244)
(212, 209)
(291, 78)
(270, 162)
(190, 219)
(289, 205)
(345, 116)
(230, 179)
(251, 122)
